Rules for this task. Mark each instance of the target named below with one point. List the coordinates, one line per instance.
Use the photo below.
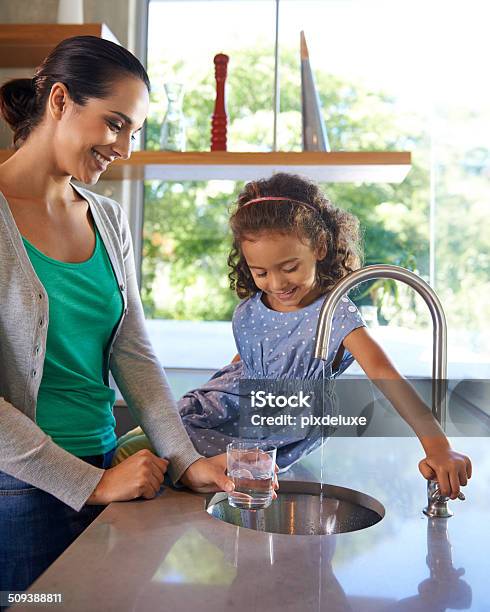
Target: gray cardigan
(26, 452)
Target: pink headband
(282, 199)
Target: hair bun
(17, 105)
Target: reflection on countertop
(169, 554)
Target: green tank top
(74, 404)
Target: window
(390, 77)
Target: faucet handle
(434, 492)
(436, 503)
(437, 493)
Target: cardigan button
(122, 287)
(34, 373)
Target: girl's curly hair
(321, 224)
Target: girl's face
(283, 267)
(88, 138)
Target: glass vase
(172, 135)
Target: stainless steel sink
(301, 510)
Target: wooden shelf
(343, 167)
(25, 45)
(339, 167)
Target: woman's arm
(450, 468)
(144, 386)
(30, 455)
(141, 378)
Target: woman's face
(284, 268)
(88, 138)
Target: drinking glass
(251, 467)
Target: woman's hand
(450, 468)
(140, 475)
(207, 475)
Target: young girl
(290, 247)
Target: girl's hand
(450, 468)
(207, 475)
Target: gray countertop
(169, 554)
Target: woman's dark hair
(319, 222)
(87, 65)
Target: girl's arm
(450, 468)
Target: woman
(70, 311)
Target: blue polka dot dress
(275, 346)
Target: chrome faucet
(436, 504)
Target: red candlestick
(219, 119)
